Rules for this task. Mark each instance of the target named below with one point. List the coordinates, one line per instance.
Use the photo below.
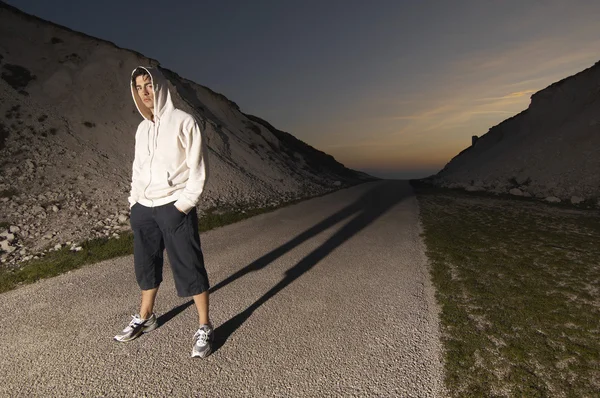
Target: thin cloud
(517, 94)
(490, 112)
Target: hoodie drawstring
(154, 137)
(156, 133)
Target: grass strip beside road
(63, 260)
(518, 283)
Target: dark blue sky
(396, 88)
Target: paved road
(329, 297)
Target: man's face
(143, 85)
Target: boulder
(516, 192)
(576, 200)
(5, 246)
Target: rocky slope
(67, 125)
(549, 151)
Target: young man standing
(169, 174)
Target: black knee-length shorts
(160, 227)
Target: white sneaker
(136, 327)
(203, 339)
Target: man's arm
(195, 159)
(134, 192)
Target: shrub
(56, 40)
(17, 77)
(255, 128)
(89, 124)
(73, 57)
(3, 135)
(13, 112)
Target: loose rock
(516, 192)
(576, 200)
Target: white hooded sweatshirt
(170, 155)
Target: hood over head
(162, 96)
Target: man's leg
(148, 264)
(203, 338)
(147, 306)
(182, 240)
(201, 301)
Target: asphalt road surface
(329, 297)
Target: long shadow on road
(366, 209)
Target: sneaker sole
(203, 355)
(126, 339)
(145, 329)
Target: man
(169, 173)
